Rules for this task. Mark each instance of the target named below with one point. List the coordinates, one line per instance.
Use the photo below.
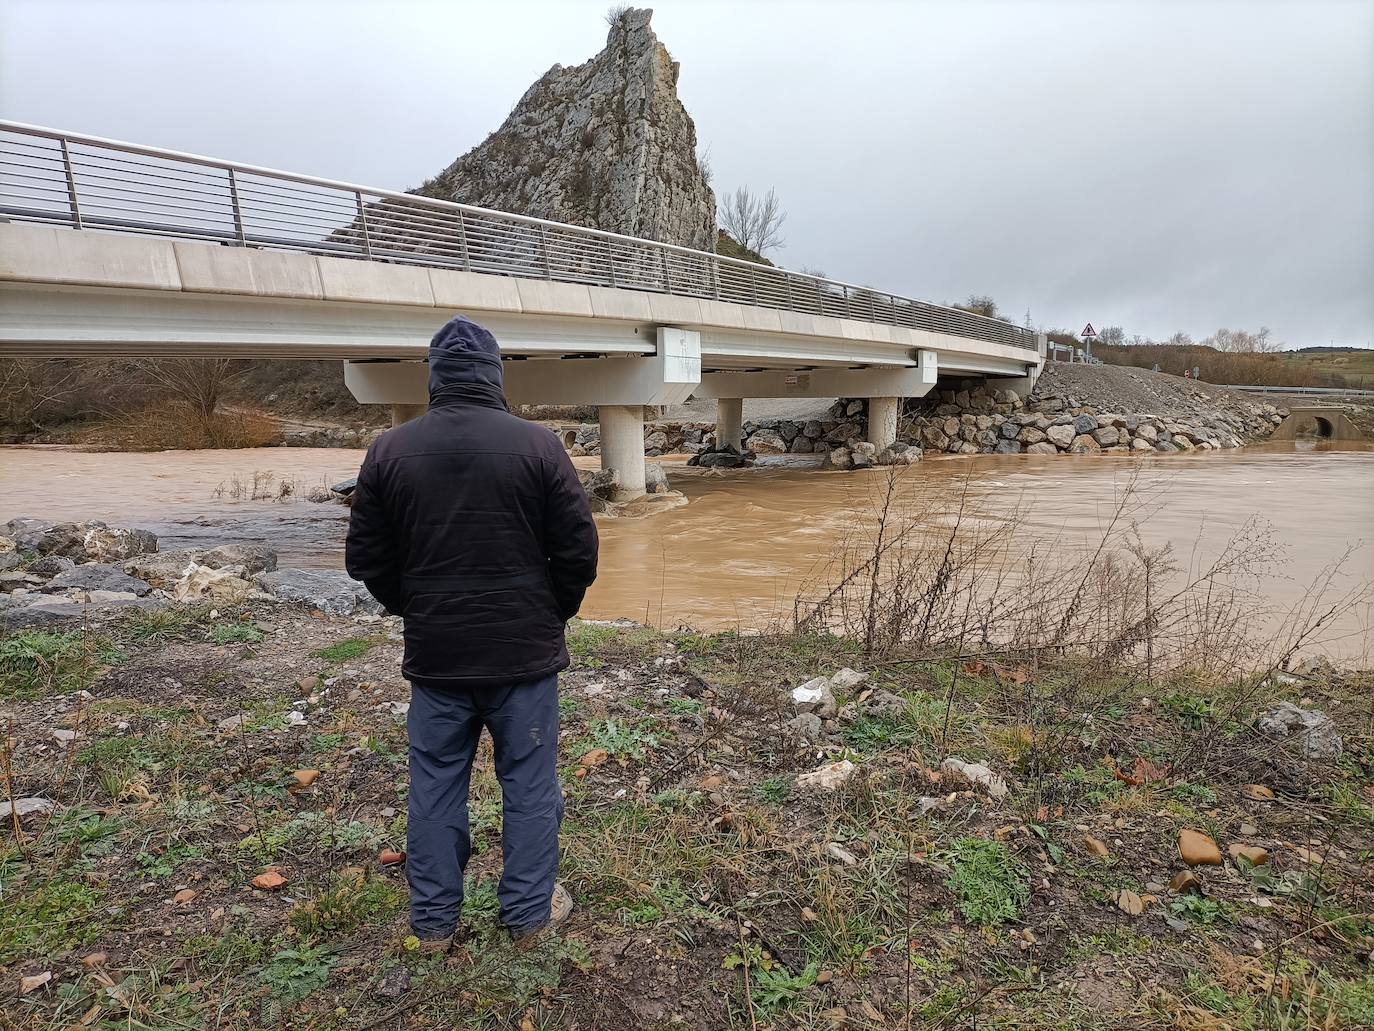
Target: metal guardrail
(1342, 391)
(87, 182)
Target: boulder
(805, 725)
(1043, 448)
(839, 458)
(847, 679)
(1084, 444)
(1198, 849)
(50, 565)
(23, 807)
(656, 440)
(67, 540)
(1085, 424)
(1030, 435)
(1147, 432)
(975, 775)
(816, 696)
(331, 591)
(165, 568)
(114, 544)
(98, 577)
(1106, 435)
(599, 483)
(1310, 729)
(882, 703)
(1008, 447)
(345, 488)
(251, 558)
(813, 429)
(725, 458)
(1062, 436)
(767, 442)
(202, 583)
(655, 479)
(830, 777)
(801, 445)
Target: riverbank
(219, 793)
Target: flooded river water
(749, 539)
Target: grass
(41, 662)
(235, 633)
(723, 903)
(991, 884)
(346, 650)
(48, 919)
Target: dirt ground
(188, 753)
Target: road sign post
(1087, 335)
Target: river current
(749, 540)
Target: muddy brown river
(738, 554)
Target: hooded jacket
(471, 524)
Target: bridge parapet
(86, 182)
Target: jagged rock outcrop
(606, 144)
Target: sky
(1163, 166)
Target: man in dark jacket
(471, 524)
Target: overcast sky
(1158, 165)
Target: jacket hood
(464, 355)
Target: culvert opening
(1314, 427)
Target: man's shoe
(434, 946)
(560, 908)
(561, 905)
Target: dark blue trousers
(444, 727)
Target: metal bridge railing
(86, 182)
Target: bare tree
(979, 304)
(1113, 335)
(28, 386)
(1241, 341)
(197, 383)
(753, 221)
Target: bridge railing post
(362, 222)
(72, 200)
(544, 248)
(238, 211)
(463, 243)
(667, 274)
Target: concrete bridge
(109, 249)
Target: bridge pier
(882, 421)
(730, 422)
(622, 446)
(405, 412)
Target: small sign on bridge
(1088, 331)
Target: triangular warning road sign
(1088, 331)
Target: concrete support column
(622, 445)
(882, 421)
(404, 413)
(730, 422)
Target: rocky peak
(606, 144)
